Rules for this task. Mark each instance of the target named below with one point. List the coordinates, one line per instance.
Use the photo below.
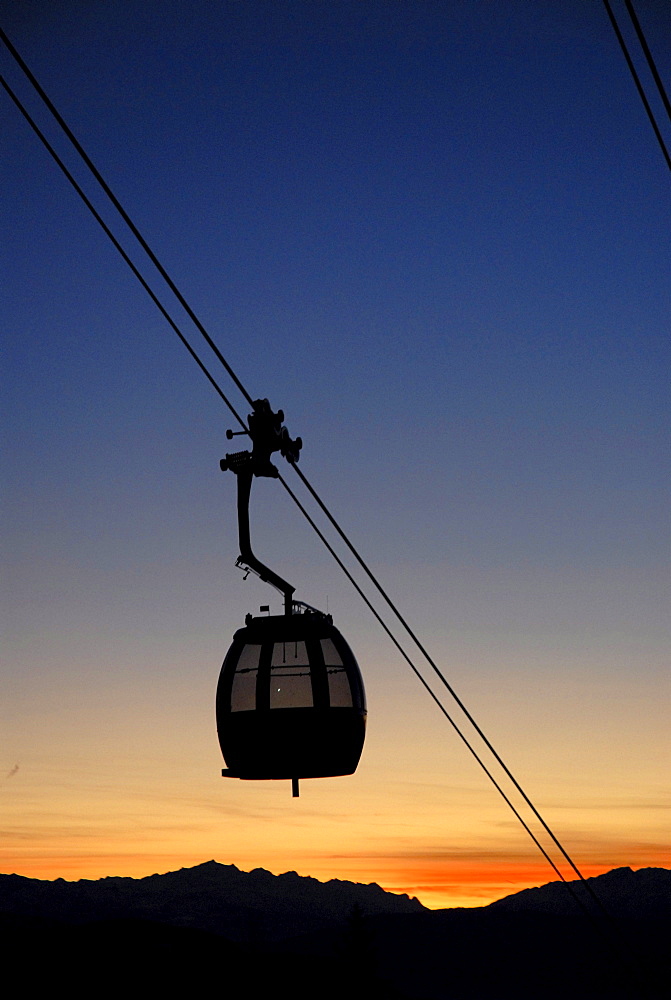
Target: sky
(436, 236)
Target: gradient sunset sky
(437, 236)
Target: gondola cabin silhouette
(290, 699)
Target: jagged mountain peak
(292, 884)
(642, 893)
(212, 896)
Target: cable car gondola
(290, 699)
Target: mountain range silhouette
(214, 926)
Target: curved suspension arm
(268, 435)
(245, 477)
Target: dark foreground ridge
(625, 893)
(211, 897)
(256, 933)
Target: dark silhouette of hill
(256, 933)
(538, 944)
(241, 906)
(637, 895)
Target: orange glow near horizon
(427, 826)
(465, 318)
(437, 886)
(444, 838)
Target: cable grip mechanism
(268, 434)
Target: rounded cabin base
(290, 743)
(290, 701)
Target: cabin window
(243, 691)
(290, 681)
(340, 693)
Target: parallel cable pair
(171, 284)
(632, 69)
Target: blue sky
(436, 235)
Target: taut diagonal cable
(125, 216)
(639, 86)
(419, 676)
(108, 232)
(445, 683)
(173, 288)
(648, 55)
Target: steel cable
(108, 232)
(639, 86)
(248, 398)
(648, 55)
